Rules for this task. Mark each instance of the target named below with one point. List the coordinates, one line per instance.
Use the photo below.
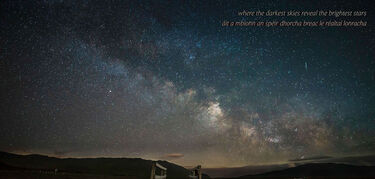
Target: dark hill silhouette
(135, 167)
(7, 167)
(231, 172)
(320, 170)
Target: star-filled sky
(164, 80)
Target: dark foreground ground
(37, 175)
(39, 166)
(320, 170)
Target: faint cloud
(174, 155)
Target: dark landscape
(315, 166)
(323, 170)
(12, 165)
(39, 166)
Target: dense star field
(164, 80)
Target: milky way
(167, 81)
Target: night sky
(164, 80)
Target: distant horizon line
(312, 159)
